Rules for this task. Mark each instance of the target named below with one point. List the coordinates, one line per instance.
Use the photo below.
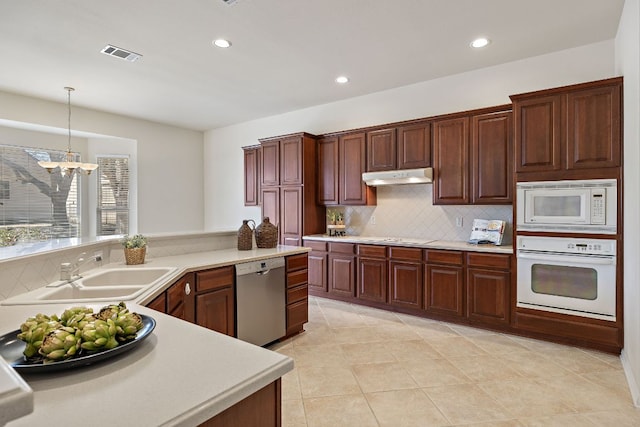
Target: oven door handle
(568, 258)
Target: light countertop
(419, 243)
(181, 375)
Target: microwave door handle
(569, 259)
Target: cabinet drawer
(343, 248)
(214, 278)
(297, 313)
(476, 259)
(176, 295)
(443, 257)
(316, 246)
(372, 251)
(297, 278)
(297, 294)
(409, 254)
(296, 262)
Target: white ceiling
(285, 54)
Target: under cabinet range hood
(405, 176)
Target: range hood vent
(406, 176)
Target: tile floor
(358, 366)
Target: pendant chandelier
(70, 165)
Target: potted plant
(332, 216)
(135, 248)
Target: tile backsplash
(407, 211)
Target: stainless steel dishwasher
(260, 301)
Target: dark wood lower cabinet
(488, 295)
(342, 269)
(405, 279)
(214, 310)
(261, 409)
(444, 290)
(372, 279)
(297, 301)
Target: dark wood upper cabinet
(451, 161)
(574, 128)
(291, 215)
(538, 135)
(252, 175)
(414, 146)
(351, 163)
(328, 171)
(270, 164)
(381, 150)
(594, 127)
(491, 158)
(291, 163)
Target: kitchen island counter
(180, 375)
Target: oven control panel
(567, 245)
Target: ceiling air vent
(229, 1)
(118, 52)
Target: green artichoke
(111, 311)
(61, 343)
(127, 325)
(99, 335)
(73, 316)
(34, 330)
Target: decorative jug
(245, 235)
(266, 234)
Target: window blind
(113, 195)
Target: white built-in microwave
(578, 206)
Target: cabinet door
(270, 163)
(372, 279)
(180, 302)
(271, 204)
(593, 122)
(291, 161)
(159, 303)
(381, 150)
(214, 310)
(328, 171)
(352, 190)
(444, 291)
(491, 158)
(342, 273)
(451, 161)
(291, 216)
(405, 284)
(297, 316)
(414, 146)
(318, 271)
(538, 133)
(488, 295)
(251, 176)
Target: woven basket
(245, 236)
(134, 256)
(266, 234)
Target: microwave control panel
(598, 206)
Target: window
(34, 204)
(113, 195)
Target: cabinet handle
(187, 288)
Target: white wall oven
(567, 275)
(578, 206)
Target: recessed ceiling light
(480, 42)
(342, 79)
(222, 43)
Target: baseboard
(633, 384)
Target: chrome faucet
(71, 271)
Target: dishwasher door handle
(262, 273)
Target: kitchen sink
(124, 277)
(108, 284)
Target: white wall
(223, 175)
(169, 159)
(628, 64)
